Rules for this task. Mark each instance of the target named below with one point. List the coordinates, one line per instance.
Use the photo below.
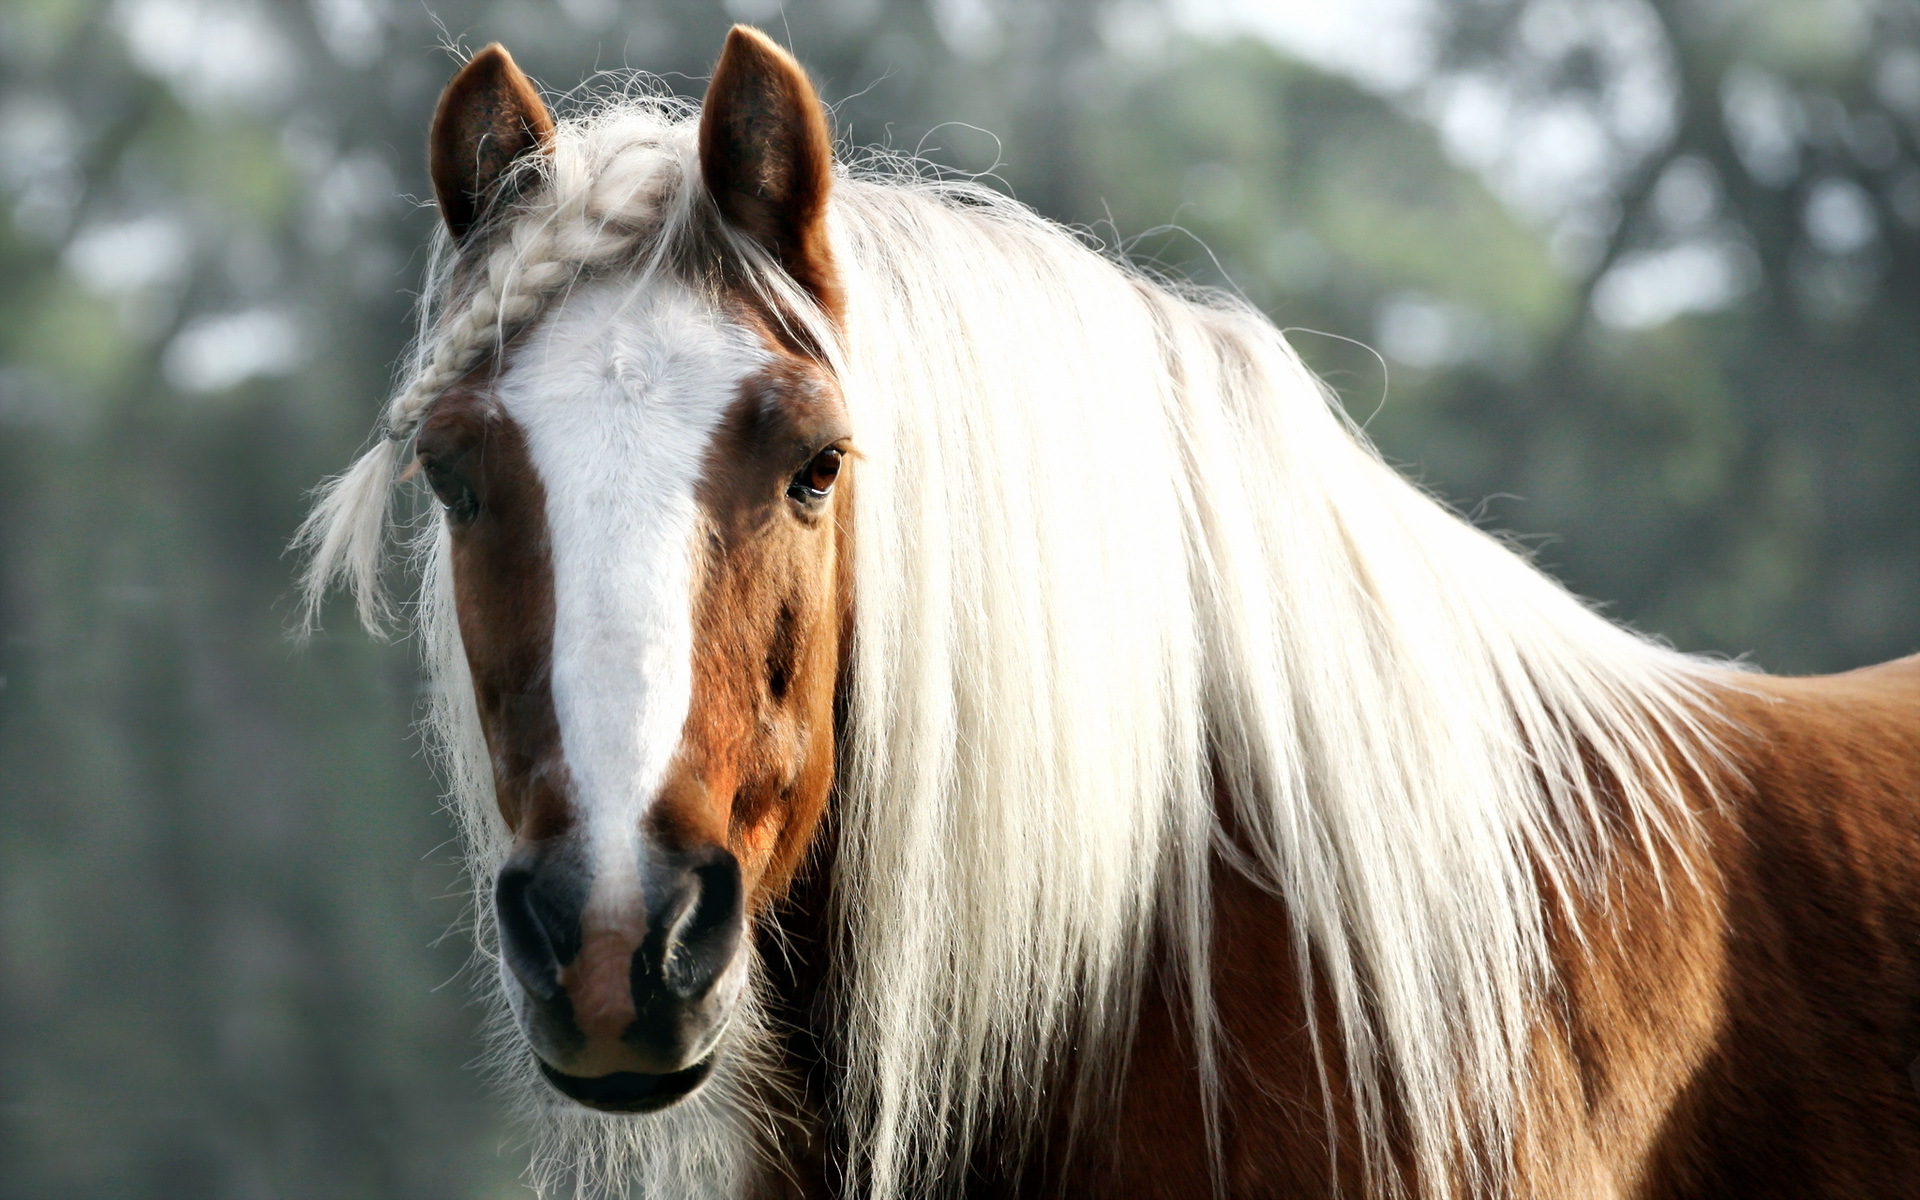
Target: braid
(566, 232)
(607, 189)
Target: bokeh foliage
(223, 881)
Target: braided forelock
(593, 203)
(609, 191)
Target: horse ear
(489, 116)
(767, 156)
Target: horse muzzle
(623, 987)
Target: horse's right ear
(489, 116)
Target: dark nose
(693, 931)
(539, 898)
(633, 990)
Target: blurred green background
(1638, 282)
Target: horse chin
(629, 1091)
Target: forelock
(611, 193)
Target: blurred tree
(1682, 342)
(219, 885)
(1734, 394)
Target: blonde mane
(1118, 555)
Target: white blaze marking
(619, 394)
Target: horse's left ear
(488, 117)
(767, 157)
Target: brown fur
(760, 735)
(503, 596)
(1802, 1087)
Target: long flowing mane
(1133, 598)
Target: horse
(938, 712)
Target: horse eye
(816, 480)
(823, 470)
(452, 489)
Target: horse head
(645, 494)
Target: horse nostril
(703, 923)
(539, 906)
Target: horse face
(645, 498)
(645, 509)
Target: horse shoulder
(1145, 1133)
(1634, 1007)
(1805, 1086)
(1831, 801)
